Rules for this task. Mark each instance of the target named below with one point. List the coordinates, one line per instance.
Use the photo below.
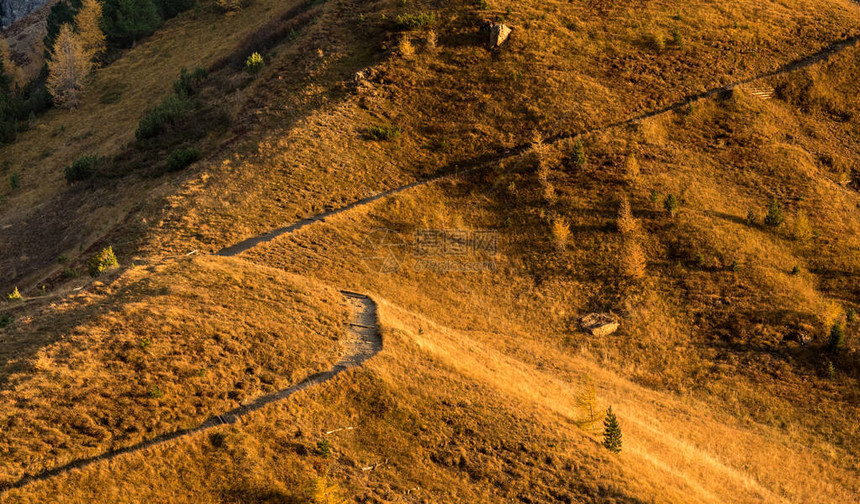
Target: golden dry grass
(161, 347)
(473, 397)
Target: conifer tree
(837, 338)
(774, 216)
(68, 70)
(88, 27)
(671, 205)
(611, 432)
(61, 13)
(578, 155)
(127, 21)
(7, 115)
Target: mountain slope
(474, 397)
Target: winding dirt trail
(363, 336)
(363, 341)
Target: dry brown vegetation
(474, 397)
(161, 347)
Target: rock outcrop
(13, 10)
(599, 324)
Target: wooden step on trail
(760, 92)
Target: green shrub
(577, 156)
(6, 320)
(188, 83)
(15, 181)
(324, 448)
(837, 338)
(851, 317)
(671, 205)
(81, 169)
(165, 114)
(654, 198)
(415, 21)
(155, 393)
(774, 217)
(384, 132)
(182, 158)
(752, 218)
(677, 39)
(102, 261)
(795, 270)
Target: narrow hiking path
(363, 341)
(363, 336)
(475, 163)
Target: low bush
(102, 261)
(384, 132)
(324, 448)
(415, 21)
(182, 158)
(752, 218)
(189, 83)
(81, 169)
(560, 231)
(6, 320)
(15, 295)
(774, 217)
(165, 114)
(802, 227)
(254, 64)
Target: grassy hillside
(475, 395)
(162, 346)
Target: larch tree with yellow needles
(586, 403)
(69, 68)
(88, 27)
